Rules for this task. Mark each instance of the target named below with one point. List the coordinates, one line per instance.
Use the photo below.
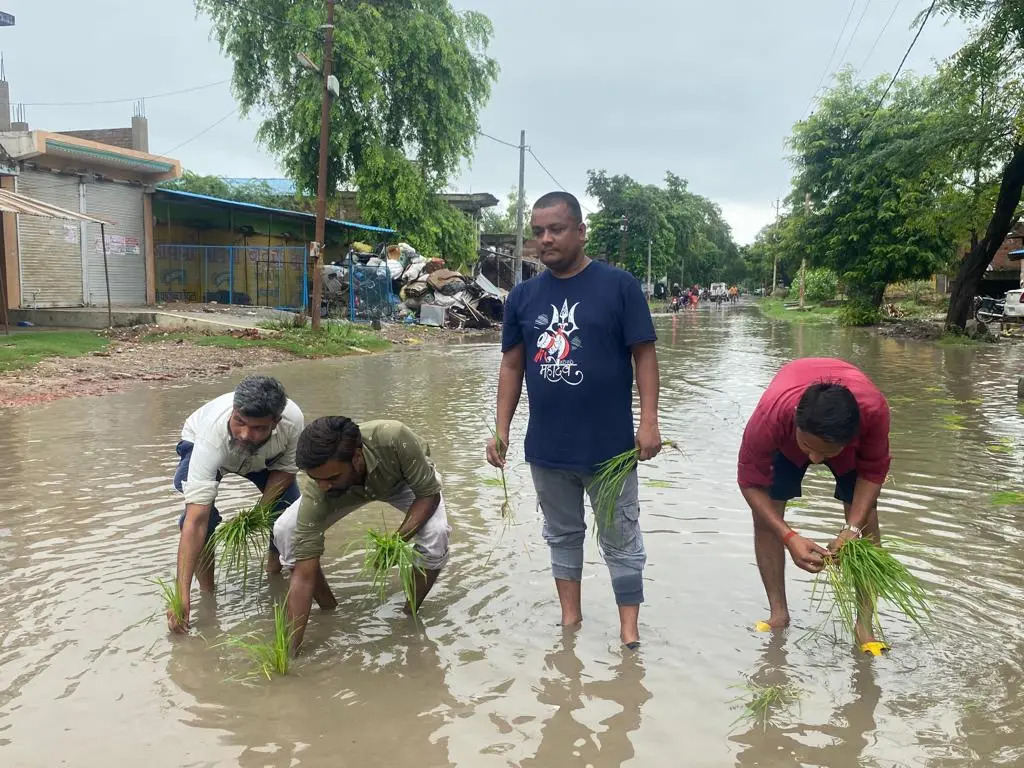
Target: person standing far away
(815, 411)
(574, 332)
(252, 432)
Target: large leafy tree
(253, 191)
(502, 221)
(413, 75)
(865, 189)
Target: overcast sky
(708, 90)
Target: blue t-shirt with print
(577, 334)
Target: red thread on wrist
(788, 535)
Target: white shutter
(120, 204)
(50, 249)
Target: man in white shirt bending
(251, 432)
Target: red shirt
(772, 426)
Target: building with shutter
(106, 174)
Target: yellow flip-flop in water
(875, 648)
(762, 626)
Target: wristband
(853, 529)
(788, 535)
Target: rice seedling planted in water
(864, 571)
(506, 506)
(1007, 498)
(174, 604)
(610, 478)
(240, 539)
(385, 551)
(762, 704)
(271, 657)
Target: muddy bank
(134, 358)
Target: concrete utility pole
(623, 230)
(803, 259)
(321, 185)
(650, 288)
(775, 255)
(520, 210)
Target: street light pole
(650, 289)
(623, 229)
(320, 234)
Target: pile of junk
(395, 283)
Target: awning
(12, 202)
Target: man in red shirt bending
(820, 411)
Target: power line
(856, 29)
(500, 141)
(879, 37)
(828, 64)
(201, 133)
(123, 101)
(550, 176)
(903, 61)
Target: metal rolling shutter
(120, 204)
(50, 249)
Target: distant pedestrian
(574, 332)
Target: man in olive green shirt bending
(344, 468)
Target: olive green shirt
(396, 458)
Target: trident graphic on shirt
(555, 344)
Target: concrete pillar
(140, 133)
(149, 247)
(5, 106)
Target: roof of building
(71, 154)
(281, 212)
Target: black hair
(551, 199)
(260, 396)
(326, 438)
(829, 411)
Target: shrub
(856, 314)
(820, 284)
(780, 293)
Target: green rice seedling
(1004, 446)
(1007, 498)
(174, 603)
(610, 478)
(763, 704)
(952, 422)
(242, 538)
(385, 551)
(506, 506)
(864, 571)
(270, 657)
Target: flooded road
(89, 677)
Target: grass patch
(332, 340)
(1003, 446)
(270, 657)
(952, 422)
(763, 704)
(776, 310)
(385, 551)
(1007, 499)
(240, 539)
(174, 604)
(864, 572)
(21, 350)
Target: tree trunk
(972, 268)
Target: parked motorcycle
(988, 309)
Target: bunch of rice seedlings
(764, 703)
(270, 657)
(174, 603)
(610, 478)
(385, 551)
(863, 572)
(240, 539)
(506, 506)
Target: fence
(269, 276)
(370, 294)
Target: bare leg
(322, 592)
(273, 562)
(771, 562)
(424, 583)
(205, 571)
(569, 593)
(629, 633)
(864, 630)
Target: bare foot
(776, 621)
(571, 619)
(864, 635)
(630, 637)
(273, 562)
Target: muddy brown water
(89, 677)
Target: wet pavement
(89, 677)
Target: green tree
(413, 76)
(254, 191)
(498, 221)
(865, 166)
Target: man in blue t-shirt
(574, 333)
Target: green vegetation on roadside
(333, 340)
(777, 309)
(21, 350)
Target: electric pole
(320, 235)
(650, 289)
(623, 231)
(803, 259)
(775, 251)
(520, 210)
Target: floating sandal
(874, 648)
(762, 626)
